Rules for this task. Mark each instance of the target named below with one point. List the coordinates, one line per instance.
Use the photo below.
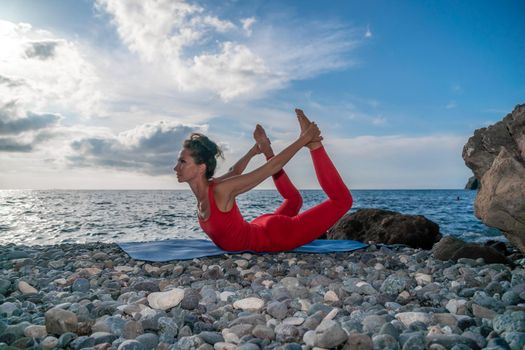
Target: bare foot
(304, 123)
(263, 142)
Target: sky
(100, 94)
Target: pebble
(94, 296)
(249, 304)
(166, 300)
(26, 288)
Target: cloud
(368, 33)
(44, 72)
(201, 52)
(8, 144)
(149, 149)
(42, 50)
(30, 122)
(451, 105)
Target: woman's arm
(233, 186)
(241, 164)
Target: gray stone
(286, 333)
(389, 329)
(509, 322)
(5, 285)
(373, 323)
(149, 340)
(415, 342)
(263, 332)
(449, 340)
(131, 344)
(80, 285)
(358, 341)
(168, 330)
(190, 343)
(103, 337)
(510, 298)
(516, 340)
(277, 309)
(393, 284)
(211, 337)
(65, 339)
(82, 342)
(329, 334)
(8, 308)
(385, 341)
(191, 299)
(60, 321)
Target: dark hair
(203, 151)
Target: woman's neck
(199, 187)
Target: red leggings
(286, 229)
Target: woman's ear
(202, 169)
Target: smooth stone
(81, 285)
(331, 296)
(224, 346)
(277, 309)
(8, 308)
(516, 340)
(373, 323)
(415, 342)
(249, 304)
(131, 344)
(103, 337)
(263, 332)
(49, 343)
(5, 285)
(26, 288)
(483, 312)
(449, 340)
(189, 342)
(510, 298)
(225, 295)
(165, 300)
(329, 334)
(455, 306)
(35, 331)
(309, 338)
(65, 339)
(422, 278)
(211, 337)
(408, 318)
(249, 346)
(132, 329)
(286, 333)
(393, 284)
(385, 341)
(293, 321)
(149, 340)
(358, 341)
(82, 342)
(390, 329)
(59, 321)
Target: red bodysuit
(285, 229)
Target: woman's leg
(292, 198)
(285, 233)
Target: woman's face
(186, 168)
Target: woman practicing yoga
(282, 230)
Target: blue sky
(99, 94)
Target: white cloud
(247, 24)
(368, 33)
(42, 72)
(201, 52)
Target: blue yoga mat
(184, 249)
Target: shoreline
(380, 297)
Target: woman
(285, 229)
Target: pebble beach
(93, 296)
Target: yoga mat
(184, 249)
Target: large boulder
(384, 226)
(472, 183)
(451, 248)
(496, 155)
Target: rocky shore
(93, 296)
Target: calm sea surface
(49, 217)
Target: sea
(43, 217)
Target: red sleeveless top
(228, 230)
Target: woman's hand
(311, 133)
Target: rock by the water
(496, 155)
(384, 226)
(472, 183)
(452, 248)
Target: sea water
(58, 216)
